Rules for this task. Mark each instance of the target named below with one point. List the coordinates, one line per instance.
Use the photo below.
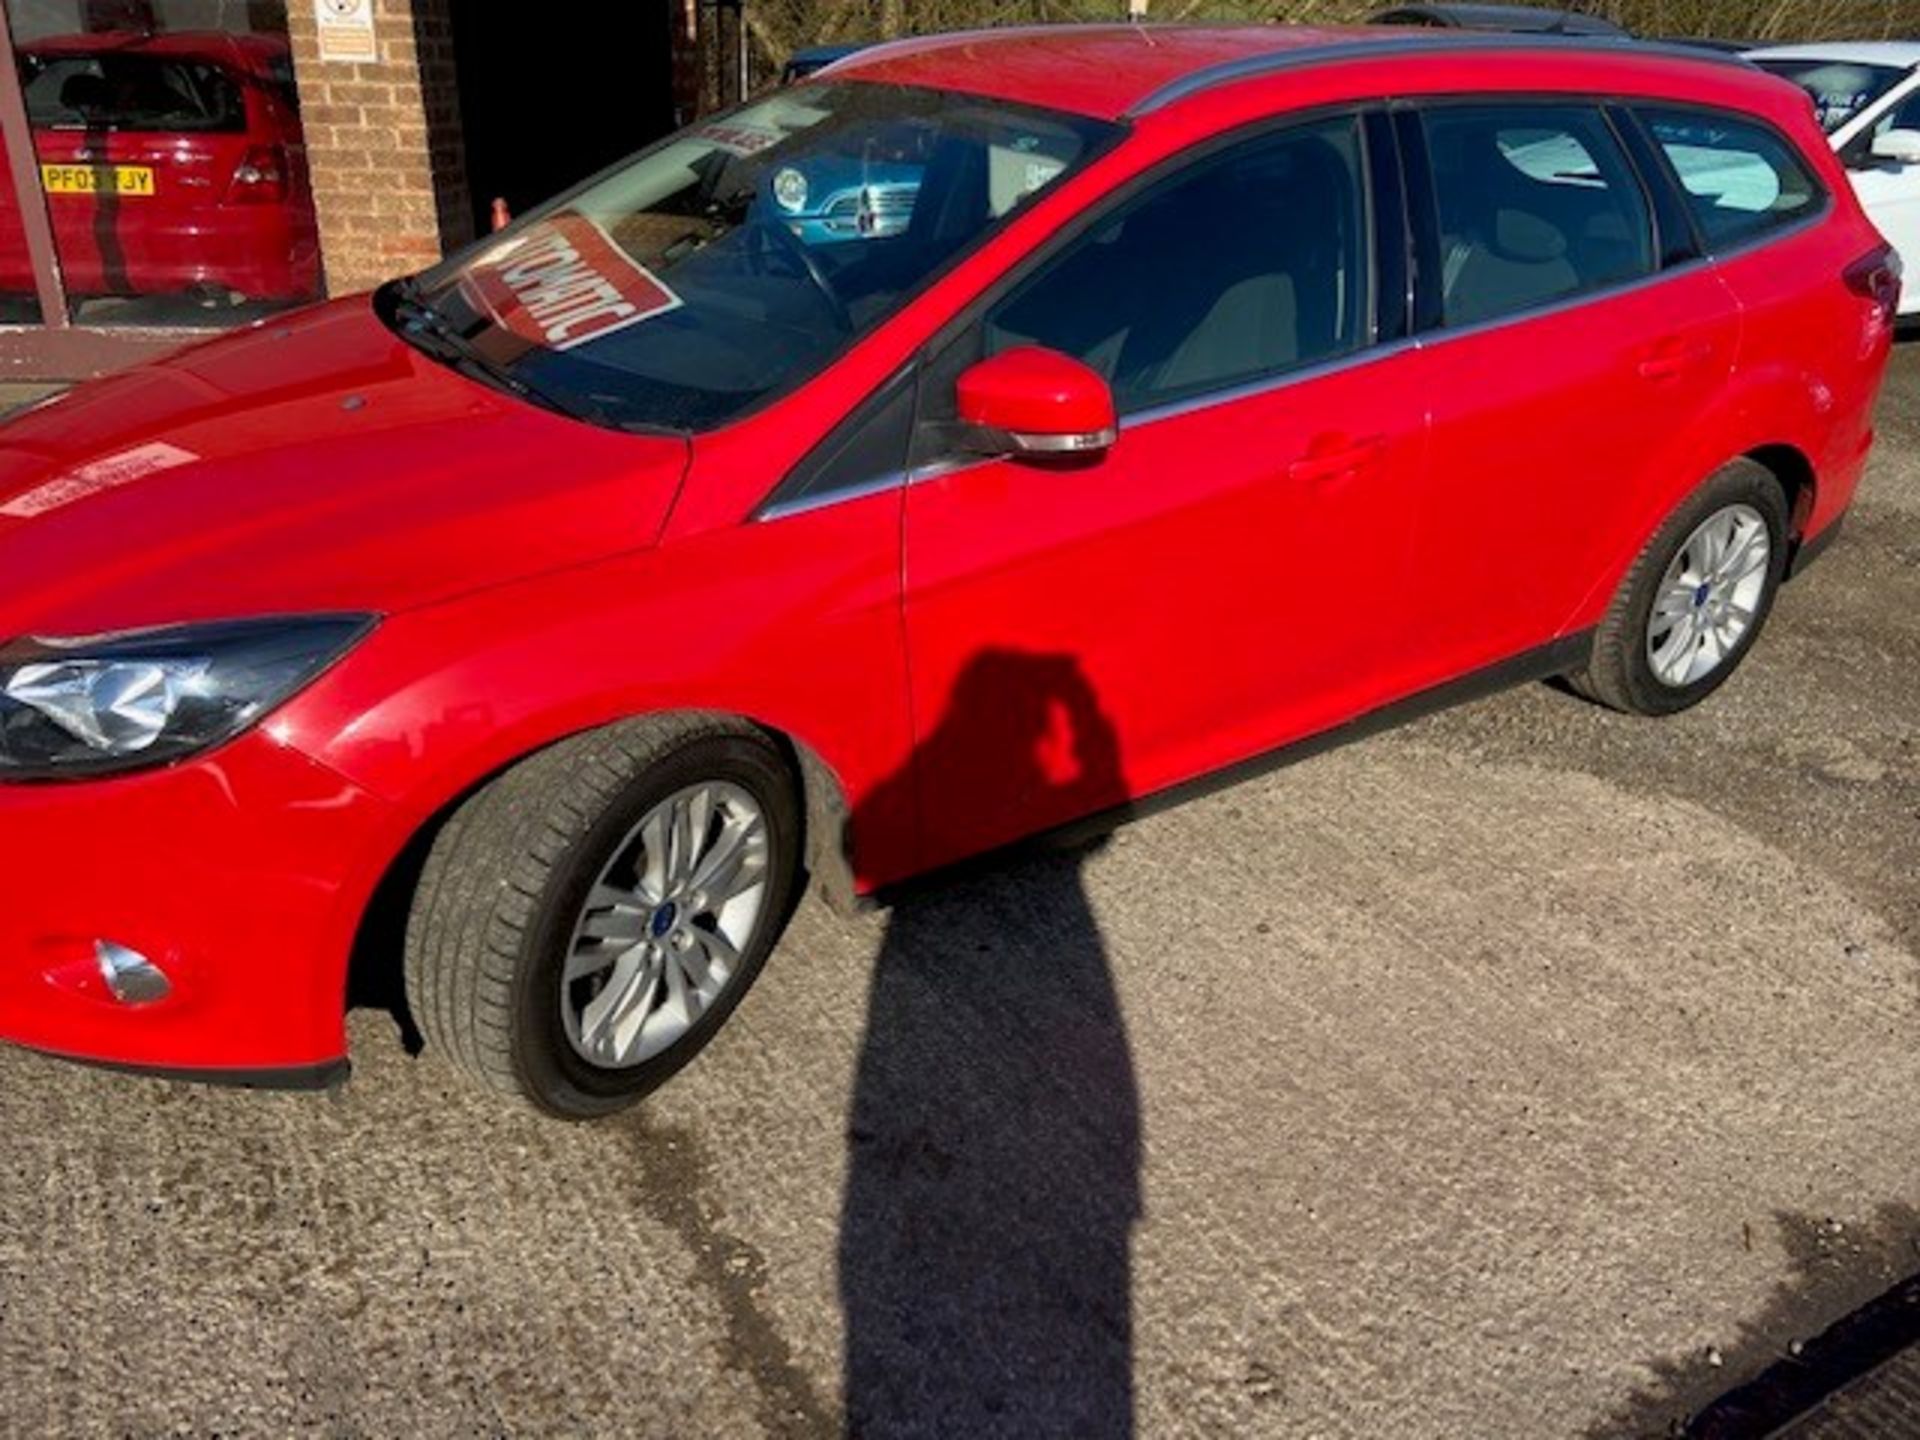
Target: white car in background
(1867, 96)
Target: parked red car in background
(535, 627)
(173, 165)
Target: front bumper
(241, 875)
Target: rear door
(1568, 340)
(135, 146)
(1230, 575)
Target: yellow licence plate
(97, 179)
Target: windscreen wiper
(432, 332)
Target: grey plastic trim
(801, 504)
(1437, 43)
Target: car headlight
(105, 704)
(790, 189)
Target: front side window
(1248, 264)
(736, 260)
(1740, 179)
(1839, 89)
(1535, 204)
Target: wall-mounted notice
(346, 30)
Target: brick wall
(383, 141)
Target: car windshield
(735, 260)
(1841, 89)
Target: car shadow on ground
(994, 1136)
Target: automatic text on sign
(565, 283)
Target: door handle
(1332, 457)
(1673, 359)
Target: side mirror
(1900, 146)
(1032, 401)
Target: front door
(1230, 574)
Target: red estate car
(538, 624)
(174, 164)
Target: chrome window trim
(1365, 354)
(1266, 384)
(1443, 333)
(1248, 390)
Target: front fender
(792, 624)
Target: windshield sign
(734, 261)
(562, 283)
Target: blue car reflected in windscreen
(836, 199)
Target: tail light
(1875, 276)
(260, 177)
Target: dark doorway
(548, 97)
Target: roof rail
(1426, 42)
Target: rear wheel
(1696, 598)
(587, 922)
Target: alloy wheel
(661, 935)
(1709, 597)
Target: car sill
(322, 1076)
(1543, 662)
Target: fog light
(133, 979)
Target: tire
(511, 890)
(1622, 672)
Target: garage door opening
(546, 103)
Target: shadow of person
(993, 1178)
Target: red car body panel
(236, 874)
(195, 230)
(374, 478)
(537, 576)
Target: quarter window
(1535, 204)
(1740, 179)
(1246, 265)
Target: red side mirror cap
(1033, 401)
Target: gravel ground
(1529, 1071)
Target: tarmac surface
(1530, 1071)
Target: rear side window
(1535, 203)
(129, 92)
(1741, 179)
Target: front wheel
(1696, 598)
(587, 921)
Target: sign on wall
(346, 30)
